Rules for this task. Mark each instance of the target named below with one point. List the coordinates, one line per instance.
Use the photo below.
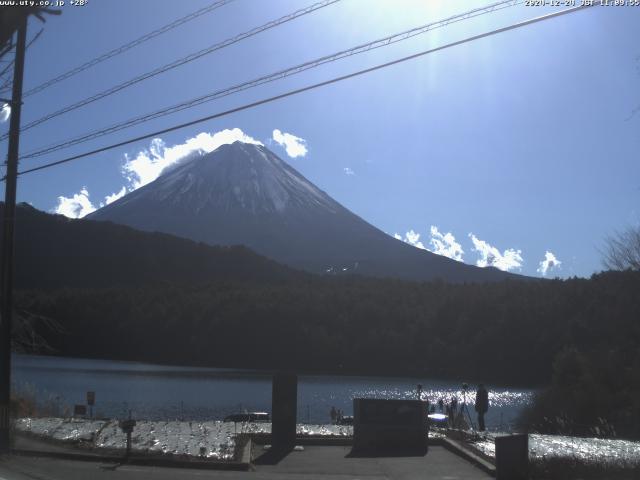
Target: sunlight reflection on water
(157, 392)
(505, 404)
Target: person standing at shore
(333, 414)
(482, 405)
(452, 410)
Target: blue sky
(497, 151)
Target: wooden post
(8, 222)
(284, 408)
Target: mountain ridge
(245, 194)
(53, 252)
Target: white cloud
(490, 256)
(76, 206)
(445, 244)
(79, 205)
(412, 238)
(548, 263)
(149, 164)
(114, 196)
(348, 171)
(294, 146)
(5, 113)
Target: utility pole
(8, 223)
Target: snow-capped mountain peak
(239, 176)
(245, 194)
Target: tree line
(95, 289)
(581, 336)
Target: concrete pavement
(314, 462)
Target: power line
(6, 86)
(6, 48)
(180, 62)
(127, 46)
(307, 88)
(6, 68)
(382, 42)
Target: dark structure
(512, 457)
(387, 426)
(284, 410)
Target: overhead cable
(307, 88)
(127, 46)
(179, 62)
(362, 48)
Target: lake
(160, 392)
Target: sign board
(79, 410)
(127, 425)
(399, 425)
(91, 398)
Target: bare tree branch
(27, 331)
(623, 250)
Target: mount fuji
(244, 194)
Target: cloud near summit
(148, 165)
(294, 146)
(151, 162)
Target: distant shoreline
(199, 370)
